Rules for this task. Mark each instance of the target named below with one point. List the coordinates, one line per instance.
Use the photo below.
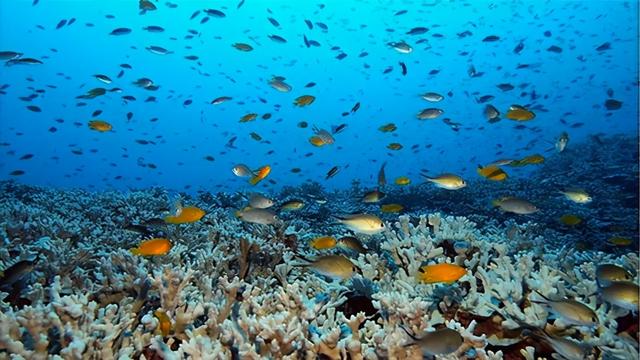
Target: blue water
(571, 88)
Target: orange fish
(437, 273)
(165, 322)
(260, 174)
(99, 125)
(323, 242)
(152, 247)
(304, 100)
(185, 215)
(519, 113)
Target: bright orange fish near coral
(185, 215)
(152, 247)
(440, 273)
(260, 174)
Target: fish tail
(135, 251)
(495, 202)
(254, 180)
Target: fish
(120, 31)
(417, 30)
(248, 117)
(619, 241)
(373, 197)
(277, 82)
(258, 201)
(623, 294)
(390, 127)
(355, 107)
(382, 179)
(100, 126)
(220, 100)
(257, 216)
(578, 196)
(438, 342)
(332, 172)
(403, 67)
(164, 322)
(260, 174)
(440, 273)
(185, 215)
(612, 104)
(401, 47)
(158, 50)
(565, 348)
(292, 205)
(519, 113)
(351, 243)
(104, 78)
(429, 113)
(515, 205)
(153, 29)
(335, 267)
(447, 181)
(277, 38)
(570, 219)
(152, 247)
(432, 97)
(16, 272)
(362, 223)
(571, 311)
(492, 172)
(323, 243)
(562, 141)
(23, 61)
(304, 100)
(402, 181)
(609, 273)
(146, 5)
(243, 47)
(215, 13)
(10, 55)
(391, 208)
(394, 146)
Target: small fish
(363, 223)
(570, 219)
(515, 205)
(185, 215)
(491, 38)
(355, 107)
(447, 181)
(440, 273)
(220, 100)
(304, 100)
(351, 243)
(16, 272)
(158, 50)
(277, 82)
(333, 266)
(260, 174)
(491, 114)
(492, 172)
(612, 104)
(402, 181)
(373, 197)
(619, 241)
(257, 216)
(277, 38)
(146, 5)
(243, 47)
(519, 113)
(382, 179)
(99, 125)
(248, 117)
(153, 29)
(164, 322)
(429, 113)
(215, 13)
(609, 273)
(571, 311)
(120, 31)
(578, 196)
(258, 201)
(401, 47)
(562, 141)
(403, 67)
(623, 294)
(152, 247)
(292, 205)
(432, 97)
(438, 342)
(332, 172)
(323, 243)
(390, 127)
(394, 146)
(104, 78)
(10, 55)
(391, 208)
(417, 30)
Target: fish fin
(495, 202)
(544, 297)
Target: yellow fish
(570, 219)
(152, 247)
(391, 208)
(519, 113)
(492, 172)
(390, 127)
(249, 117)
(164, 322)
(620, 241)
(323, 243)
(317, 141)
(402, 181)
(577, 196)
(99, 125)
(447, 181)
(437, 273)
(394, 146)
(304, 100)
(260, 174)
(185, 215)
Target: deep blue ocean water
(570, 88)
